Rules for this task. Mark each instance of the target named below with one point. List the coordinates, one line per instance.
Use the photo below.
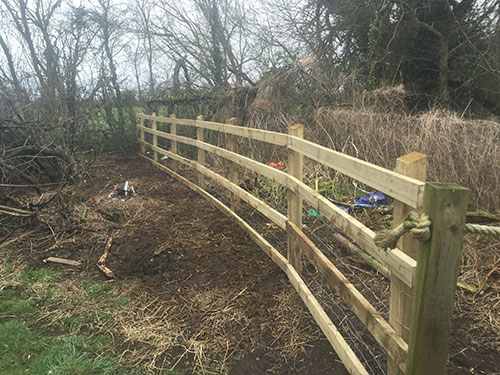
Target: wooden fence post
(173, 131)
(154, 127)
(200, 136)
(295, 168)
(141, 134)
(173, 144)
(412, 165)
(232, 145)
(437, 272)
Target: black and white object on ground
(123, 190)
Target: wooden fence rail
(411, 192)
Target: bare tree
(142, 9)
(109, 30)
(210, 38)
(46, 118)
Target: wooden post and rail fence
(423, 274)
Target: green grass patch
(12, 302)
(29, 346)
(78, 321)
(8, 268)
(75, 322)
(123, 301)
(94, 289)
(28, 351)
(41, 275)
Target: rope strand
(483, 229)
(419, 227)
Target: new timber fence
(423, 274)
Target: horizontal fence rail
(409, 191)
(405, 189)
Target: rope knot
(417, 225)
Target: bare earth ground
(205, 299)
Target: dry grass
(204, 327)
(461, 151)
(290, 326)
(481, 269)
(375, 126)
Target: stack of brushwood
(31, 160)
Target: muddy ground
(228, 307)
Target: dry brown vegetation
(466, 152)
(480, 268)
(377, 127)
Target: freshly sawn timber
(295, 169)
(405, 189)
(200, 136)
(154, 126)
(438, 259)
(438, 263)
(412, 165)
(232, 145)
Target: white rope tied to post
(419, 227)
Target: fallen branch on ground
(102, 259)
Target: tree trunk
(444, 56)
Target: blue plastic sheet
(376, 199)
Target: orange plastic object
(279, 165)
